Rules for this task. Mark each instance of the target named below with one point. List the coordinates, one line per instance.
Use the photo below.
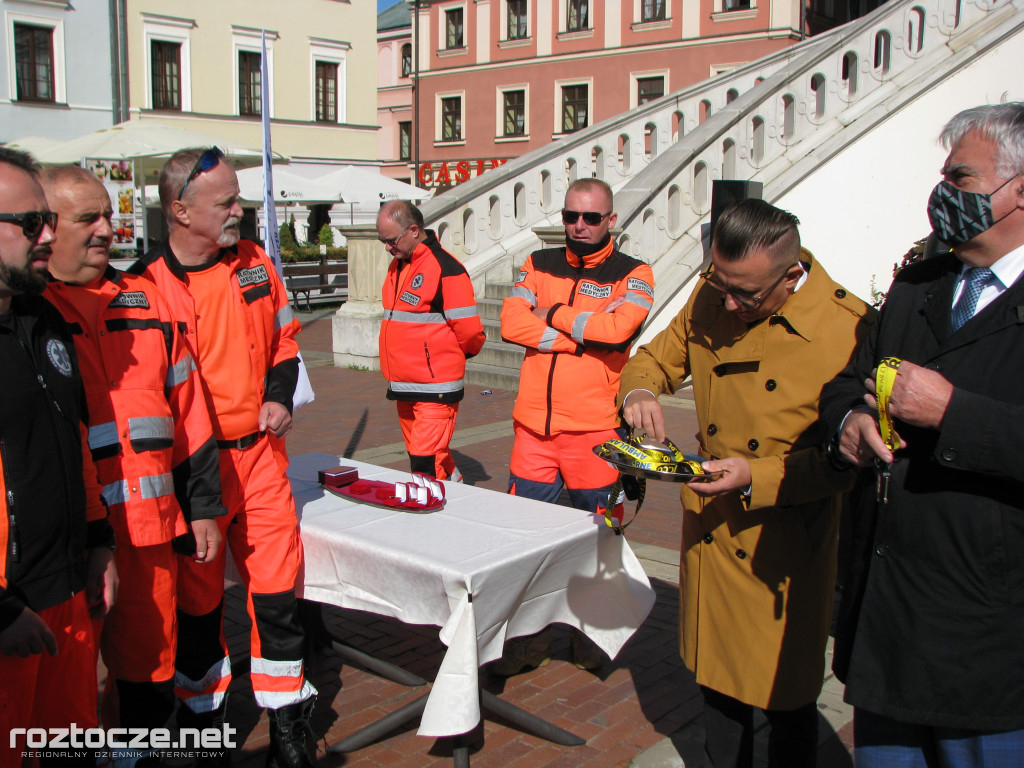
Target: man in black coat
(932, 623)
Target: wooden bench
(326, 281)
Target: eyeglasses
(741, 298)
(209, 159)
(32, 222)
(391, 242)
(592, 218)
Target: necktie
(975, 279)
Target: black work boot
(207, 758)
(288, 728)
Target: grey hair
(1000, 124)
(403, 213)
(172, 178)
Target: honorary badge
(59, 357)
(417, 281)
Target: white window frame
(56, 27)
(333, 52)
(739, 13)
(442, 26)
(247, 39)
(503, 24)
(439, 139)
(638, 22)
(634, 86)
(499, 113)
(168, 29)
(559, 85)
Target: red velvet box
(337, 477)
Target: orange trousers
(43, 691)
(427, 429)
(261, 531)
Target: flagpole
(273, 236)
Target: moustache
(41, 252)
(232, 223)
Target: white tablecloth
(524, 564)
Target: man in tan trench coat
(763, 331)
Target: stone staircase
(497, 365)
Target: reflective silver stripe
(525, 293)
(415, 317)
(151, 487)
(207, 702)
(180, 371)
(278, 699)
(547, 339)
(459, 312)
(283, 317)
(639, 300)
(275, 668)
(102, 435)
(579, 324)
(151, 428)
(203, 702)
(441, 386)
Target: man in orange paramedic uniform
(150, 437)
(56, 563)
(242, 335)
(577, 310)
(430, 328)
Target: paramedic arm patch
(130, 299)
(636, 284)
(252, 275)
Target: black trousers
(729, 725)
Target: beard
(23, 279)
(229, 233)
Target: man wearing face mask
(576, 310)
(930, 628)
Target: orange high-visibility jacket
(272, 325)
(570, 375)
(149, 429)
(430, 327)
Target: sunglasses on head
(592, 218)
(209, 159)
(32, 222)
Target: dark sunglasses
(391, 242)
(592, 218)
(32, 222)
(741, 298)
(209, 159)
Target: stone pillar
(357, 323)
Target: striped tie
(975, 280)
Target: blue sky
(382, 4)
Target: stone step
(502, 355)
(492, 328)
(498, 290)
(489, 309)
(491, 376)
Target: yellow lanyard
(885, 377)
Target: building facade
(44, 89)
(498, 78)
(395, 92)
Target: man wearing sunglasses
(576, 310)
(430, 328)
(56, 560)
(764, 328)
(241, 331)
(151, 439)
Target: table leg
(528, 721)
(460, 751)
(381, 727)
(383, 668)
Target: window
(515, 113)
(406, 60)
(574, 108)
(649, 89)
(578, 15)
(517, 21)
(405, 140)
(737, 5)
(166, 58)
(33, 55)
(451, 118)
(453, 28)
(249, 83)
(652, 10)
(326, 92)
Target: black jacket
(44, 530)
(932, 619)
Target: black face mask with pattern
(958, 216)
